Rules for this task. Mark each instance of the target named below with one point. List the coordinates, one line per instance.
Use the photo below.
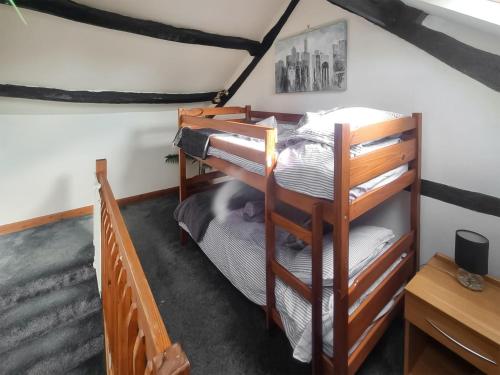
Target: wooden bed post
(415, 189)
(270, 205)
(101, 167)
(248, 113)
(101, 171)
(341, 246)
(182, 178)
(317, 288)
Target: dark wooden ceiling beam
(406, 22)
(101, 97)
(81, 13)
(471, 200)
(267, 42)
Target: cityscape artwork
(315, 60)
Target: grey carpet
(50, 311)
(220, 330)
(50, 318)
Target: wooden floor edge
(82, 211)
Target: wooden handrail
(136, 339)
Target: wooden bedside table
(450, 329)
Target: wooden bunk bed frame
(348, 172)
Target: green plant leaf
(172, 159)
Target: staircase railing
(136, 340)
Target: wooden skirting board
(448, 194)
(41, 220)
(82, 211)
(144, 197)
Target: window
(482, 14)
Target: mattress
(237, 249)
(308, 167)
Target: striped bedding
(307, 167)
(237, 249)
(305, 157)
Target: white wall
(48, 149)
(460, 117)
(47, 160)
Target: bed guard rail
(136, 340)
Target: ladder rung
(291, 280)
(295, 229)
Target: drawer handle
(459, 343)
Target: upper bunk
(251, 155)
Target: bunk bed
(360, 306)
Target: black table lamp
(471, 255)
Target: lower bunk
(233, 238)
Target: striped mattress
(237, 248)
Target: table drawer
(478, 350)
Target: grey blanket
(198, 210)
(195, 142)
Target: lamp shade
(471, 251)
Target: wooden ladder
(314, 293)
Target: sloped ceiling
(87, 44)
(73, 55)
(246, 19)
(76, 56)
(406, 22)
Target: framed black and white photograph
(315, 60)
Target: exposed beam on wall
(406, 22)
(81, 13)
(104, 97)
(471, 200)
(267, 42)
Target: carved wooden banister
(136, 340)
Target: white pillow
(286, 130)
(269, 121)
(320, 126)
(365, 243)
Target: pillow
(365, 243)
(320, 126)
(301, 218)
(269, 121)
(254, 211)
(286, 130)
